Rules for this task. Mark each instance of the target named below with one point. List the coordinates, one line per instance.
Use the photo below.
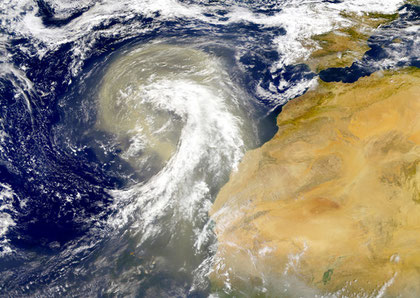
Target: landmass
(344, 45)
(331, 204)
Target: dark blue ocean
(99, 198)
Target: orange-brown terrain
(332, 203)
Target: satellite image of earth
(209, 148)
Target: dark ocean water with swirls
(90, 203)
